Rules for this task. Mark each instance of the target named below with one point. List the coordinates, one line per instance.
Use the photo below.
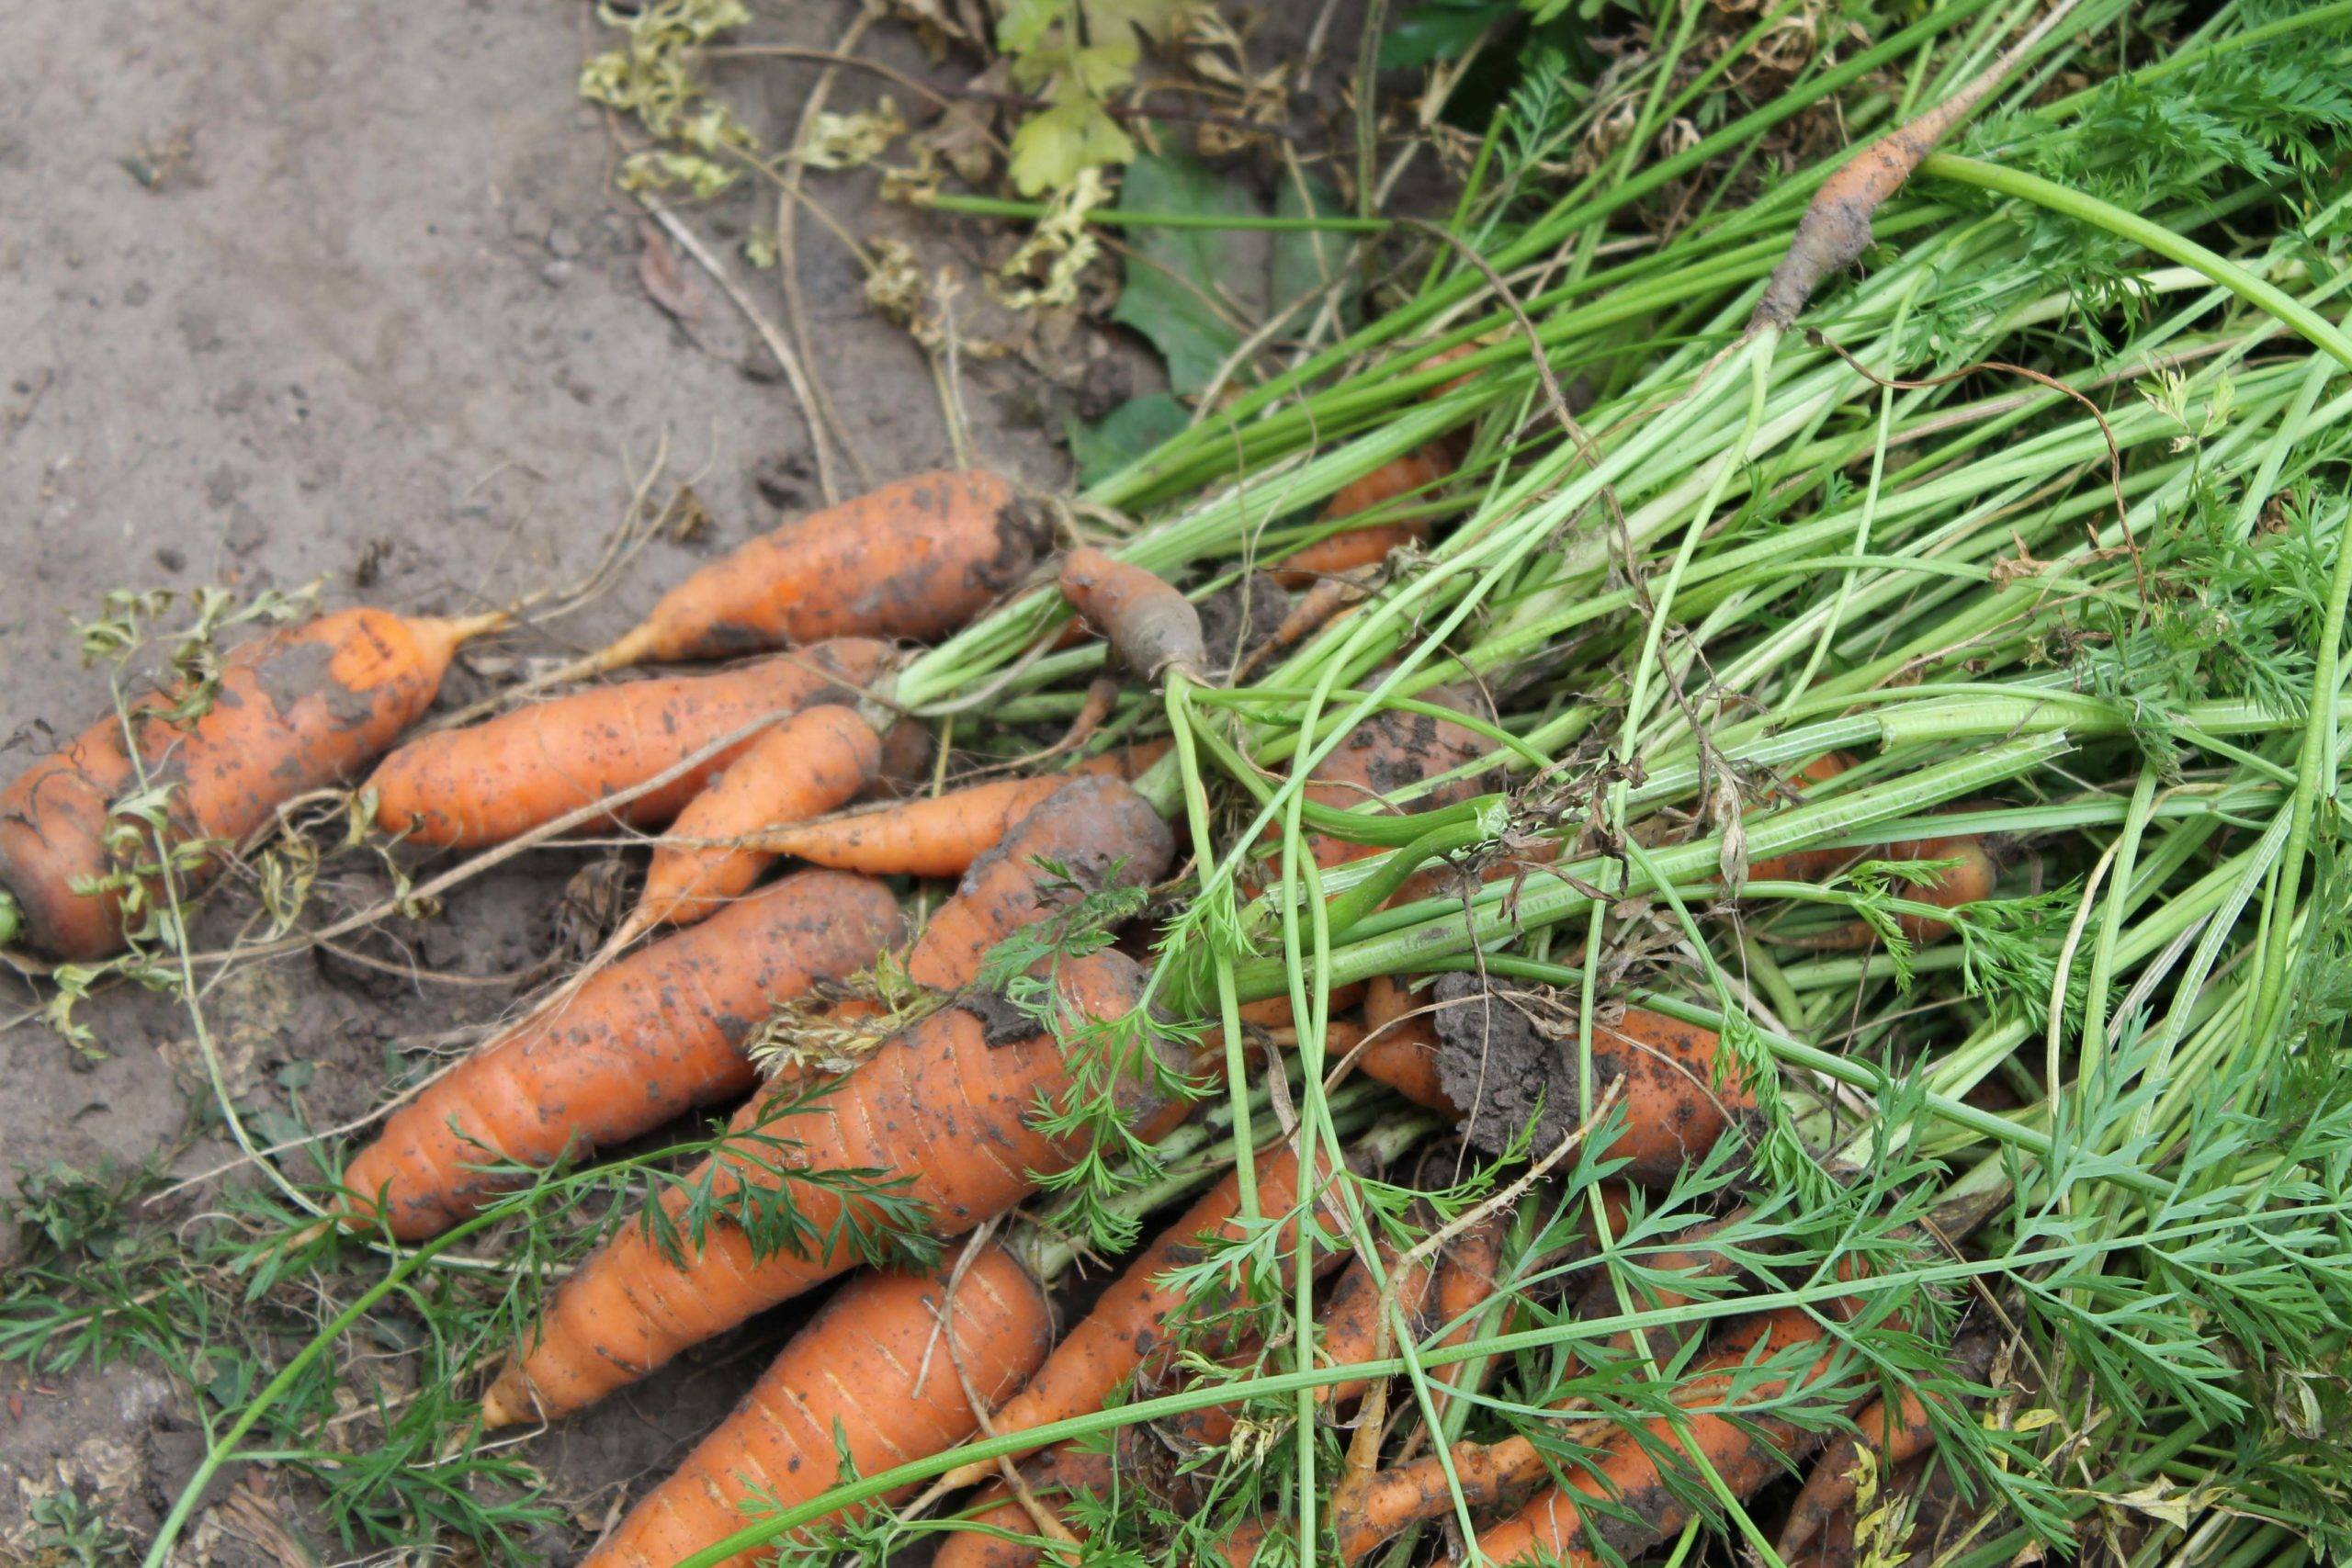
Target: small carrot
(1896, 1438)
(465, 788)
(1808, 866)
(1391, 751)
(886, 1373)
(1354, 548)
(945, 1105)
(816, 761)
(1836, 228)
(1129, 761)
(1968, 881)
(938, 836)
(298, 709)
(646, 1040)
(1152, 627)
(917, 558)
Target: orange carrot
(882, 1373)
(1746, 1453)
(1387, 753)
(298, 709)
(939, 836)
(916, 559)
(1401, 1044)
(1098, 830)
(945, 1104)
(1062, 1472)
(1971, 881)
(1679, 1098)
(1896, 1438)
(1808, 866)
(1129, 1324)
(1353, 548)
(652, 1036)
(814, 762)
(1152, 627)
(1836, 228)
(1130, 761)
(465, 788)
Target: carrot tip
(507, 1401)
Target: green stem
(993, 207)
(11, 919)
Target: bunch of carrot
(1499, 968)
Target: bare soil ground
(297, 289)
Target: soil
(342, 292)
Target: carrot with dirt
(1097, 830)
(1680, 1095)
(944, 1109)
(917, 558)
(489, 783)
(818, 759)
(947, 1101)
(897, 1367)
(1152, 628)
(1971, 879)
(644, 1040)
(1836, 228)
(300, 708)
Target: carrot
(1391, 751)
(1896, 1438)
(1971, 881)
(1370, 545)
(1836, 228)
(1746, 1454)
(1679, 1097)
(1401, 1044)
(1129, 1324)
(298, 709)
(465, 788)
(940, 836)
(1130, 761)
(652, 1036)
(1808, 866)
(1064, 1472)
(945, 1104)
(1152, 627)
(817, 759)
(1098, 830)
(886, 1373)
(1466, 1277)
(917, 558)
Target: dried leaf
(851, 140)
(665, 275)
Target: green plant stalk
(1197, 814)
(11, 917)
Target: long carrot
(1152, 627)
(1400, 1044)
(464, 788)
(819, 759)
(945, 1104)
(917, 558)
(653, 1036)
(1130, 1323)
(298, 709)
(886, 1373)
(938, 836)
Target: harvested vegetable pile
(1681, 897)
